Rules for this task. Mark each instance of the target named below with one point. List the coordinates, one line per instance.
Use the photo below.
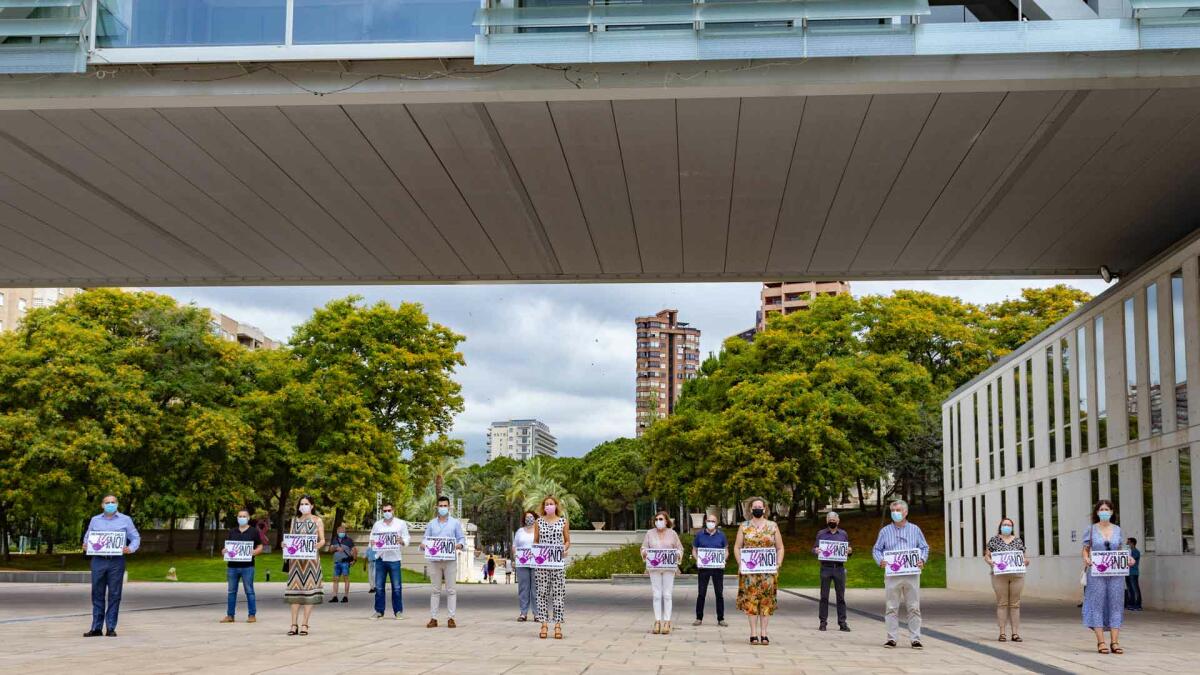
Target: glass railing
(349, 21)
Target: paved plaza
(170, 628)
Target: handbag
(1083, 578)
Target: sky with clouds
(563, 353)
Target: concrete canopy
(419, 172)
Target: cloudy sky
(563, 353)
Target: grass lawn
(189, 566)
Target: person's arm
(877, 551)
(566, 535)
(737, 548)
(779, 546)
(1087, 548)
(460, 537)
(678, 544)
(537, 533)
(817, 543)
(133, 539)
(645, 544)
(987, 552)
(404, 536)
(923, 547)
(320, 533)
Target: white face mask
(711, 525)
(660, 524)
(306, 509)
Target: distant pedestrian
(901, 535)
(387, 562)
(1133, 586)
(551, 527)
(833, 572)
(444, 573)
(108, 570)
(344, 552)
(304, 586)
(369, 561)
(522, 543)
(712, 537)
(242, 570)
(1104, 596)
(662, 581)
(508, 570)
(758, 592)
(1007, 587)
(491, 569)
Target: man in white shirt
(388, 529)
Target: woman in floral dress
(757, 592)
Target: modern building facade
(228, 328)
(668, 354)
(15, 302)
(780, 298)
(1105, 404)
(520, 439)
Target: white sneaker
(400, 617)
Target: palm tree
(445, 471)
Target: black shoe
(844, 627)
(889, 644)
(916, 644)
(111, 633)
(821, 627)
(372, 590)
(345, 598)
(93, 633)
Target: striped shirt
(898, 538)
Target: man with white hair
(901, 535)
(832, 572)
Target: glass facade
(1148, 503)
(190, 23)
(1187, 522)
(1054, 516)
(1101, 389)
(1155, 384)
(1029, 399)
(1114, 487)
(1065, 396)
(1081, 385)
(1041, 519)
(1019, 431)
(1131, 407)
(1179, 347)
(1051, 403)
(362, 21)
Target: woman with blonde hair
(662, 581)
(551, 527)
(757, 592)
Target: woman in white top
(662, 581)
(522, 542)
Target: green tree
(1015, 322)
(615, 475)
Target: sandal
(753, 639)
(557, 632)
(1016, 638)
(764, 640)
(304, 629)
(1003, 638)
(657, 627)
(294, 630)
(1101, 648)
(522, 618)
(542, 633)
(1116, 648)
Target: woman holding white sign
(305, 585)
(1104, 596)
(759, 553)
(1005, 556)
(551, 529)
(523, 555)
(660, 546)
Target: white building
(520, 439)
(1100, 405)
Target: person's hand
(815, 549)
(458, 547)
(920, 564)
(1087, 562)
(643, 555)
(1133, 562)
(849, 550)
(882, 564)
(422, 546)
(125, 550)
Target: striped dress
(305, 585)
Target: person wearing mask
(523, 539)
(444, 572)
(344, 552)
(1133, 586)
(711, 537)
(242, 570)
(1008, 587)
(551, 527)
(758, 593)
(304, 584)
(108, 571)
(1104, 597)
(833, 572)
(906, 588)
(662, 581)
(387, 563)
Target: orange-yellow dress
(757, 592)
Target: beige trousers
(1008, 600)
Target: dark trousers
(383, 570)
(836, 576)
(718, 582)
(1133, 593)
(108, 576)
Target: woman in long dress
(551, 528)
(1103, 597)
(757, 592)
(305, 585)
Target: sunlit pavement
(173, 628)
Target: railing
(43, 36)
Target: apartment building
(668, 354)
(228, 328)
(780, 298)
(15, 302)
(520, 439)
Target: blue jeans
(525, 591)
(383, 570)
(246, 575)
(108, 576)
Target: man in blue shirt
(108, 571)
(832, 572)
(901, 535)
(443, 571)
(1133, 586)
(711, 537)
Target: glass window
(1095, 493)
(953, 464)
(1051, 401)
(1114, 486)
(1179, 344)
(1081, 385)
(1148, 503)
(1019, 431)
(1131, 370)
(961, 530)
(1041, 520)
(988, 437)
(1021, 504)
(949, 537)
(1029, 410)
(1054, 516)
(1156, 422)
(1000, 424)
(1187, 523)
(1004, 503)
(974, 540)
(958, 411)
(979, 427)
(981, 535)
(162, 23)
(1064, 348)
(1101, 390)
(22, 305)
(1, 299)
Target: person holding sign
(388, 535)
(832, 548)
(110, 536)
(523, 553)
(1006, 559)
(242, 544)
(442, 540)
(660, 543)
(305, 587)
(759, 553)
(901, 551)
(551, 530)
(710, 548)
(1104, 595)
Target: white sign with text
(759, 560)
(238, 551)
(299, 547)
(106, 543)
(1008, 562)
(902, 563)
(439, 548)
(710, 558)
(549, 556)
(829, 550)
